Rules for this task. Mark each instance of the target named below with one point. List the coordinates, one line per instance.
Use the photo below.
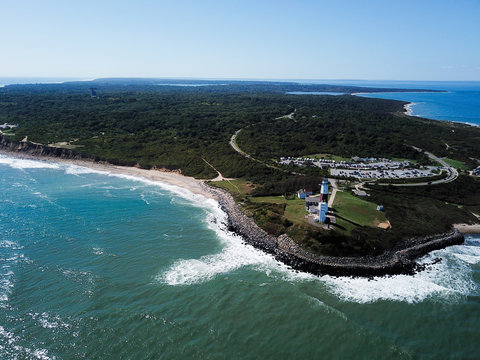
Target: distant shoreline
(408, 108)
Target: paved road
(452, 172)
(334, 192)
(243, 153)
(235, 147)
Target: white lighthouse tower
(323, 204)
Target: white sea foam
(15, 351)
(49, 322)
(194, 199)
(98, 251)
(447, 280)
(18, 163)
(9, 257)
(80, 170)
(233, 256)
(142, 196)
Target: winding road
(235, 147)
(452, 172)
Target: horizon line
(80, 78)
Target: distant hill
(196, 85)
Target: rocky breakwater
(242, 225)
(399, 260)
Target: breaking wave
(18, 163)
(449, 279)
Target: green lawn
(294, 211)
(352, 210)
(237, 187)
(456, 164)
(328, 157)
(403, 159)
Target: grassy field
(352, 211)
(237, 187)
(456, 164)
(328, 157)
(403, 159)
(294, 211)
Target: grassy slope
(456, 164)
(238, 187)
(351, 210)
(294, 209)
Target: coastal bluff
(33, 149)
(398, 260)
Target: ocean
(460, 102)
(95, 265)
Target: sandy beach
(467, 228)
(191, 184)
(408, 108)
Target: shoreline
(409, 111)
(408, 108)
(468, 229)
(167, 177)
(400, 260)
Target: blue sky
(369, 39)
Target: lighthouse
(324, 191)
(323, 204)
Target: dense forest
(178, 126)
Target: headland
(398, 260)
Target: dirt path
(289, 116)
(219, 177)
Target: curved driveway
(452, 172)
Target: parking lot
(406, 173)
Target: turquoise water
(97, 266)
